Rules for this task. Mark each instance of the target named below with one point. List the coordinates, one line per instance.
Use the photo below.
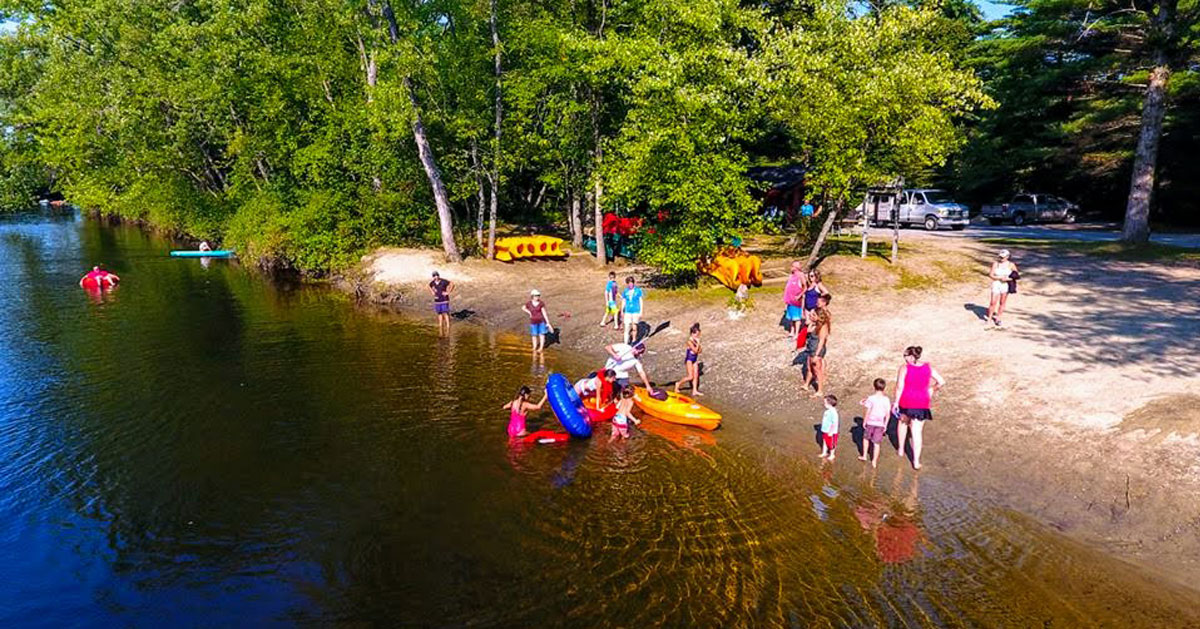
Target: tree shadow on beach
(1145, 317)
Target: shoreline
(1119, 512)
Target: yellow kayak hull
(677, 409)
(520, 247)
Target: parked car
(1032, 208)
(930, 208)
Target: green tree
(867, 98)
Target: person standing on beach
(612, 297)
(916, 384)
(1004, 279)
(539, 320)
(631, 305)
(813, 291)
(441, 290)
(793, 299)
(815, 346)
(876, 410)
(690, 357)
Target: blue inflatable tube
(567, 406)
(215, 253)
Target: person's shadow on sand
(979, 311)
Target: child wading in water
(620, 421)
(519, 409)
(690, 356)
(875, 420)
(829, 428)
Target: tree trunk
(601, 254)
(576, 221)
(1141, 186)
(491, 250)
(440, 198)
(478, 166)
(830, 217)
(425, 152)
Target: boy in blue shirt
(631, 300)
(611, 306)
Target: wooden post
(867, 220)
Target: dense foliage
(1071, 79)
(307, 131)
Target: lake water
(202, 447)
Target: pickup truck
(1031, 208)
(930, 208)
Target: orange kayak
(677, 409)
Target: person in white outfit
(1003, 275)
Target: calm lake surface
(203, 448)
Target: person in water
(539, 320)
(519, 410)
(624, 415)
(612, 297)
(99, 277)
(793, 299)
(690, 357)
(204, 246)
(877, 408)
(916, 384)
(441, 290)
(631, 305)
(1003, 275)
(624, 358)
(598, 386)
(829, 428)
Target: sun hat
(1004, 253)
(535, 293)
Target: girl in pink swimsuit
(519, 410)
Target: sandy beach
(1081, 411)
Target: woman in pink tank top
(916, 383)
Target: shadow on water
(208, 449)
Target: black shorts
(919, 414)
(811, 344)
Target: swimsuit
(516, 422)
(810, 298)
(620, 425)
(690, 356)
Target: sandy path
(1083, 411)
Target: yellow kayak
(677, 409)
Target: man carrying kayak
(624, 358)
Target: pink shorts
(830, 440)
(620, 429)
